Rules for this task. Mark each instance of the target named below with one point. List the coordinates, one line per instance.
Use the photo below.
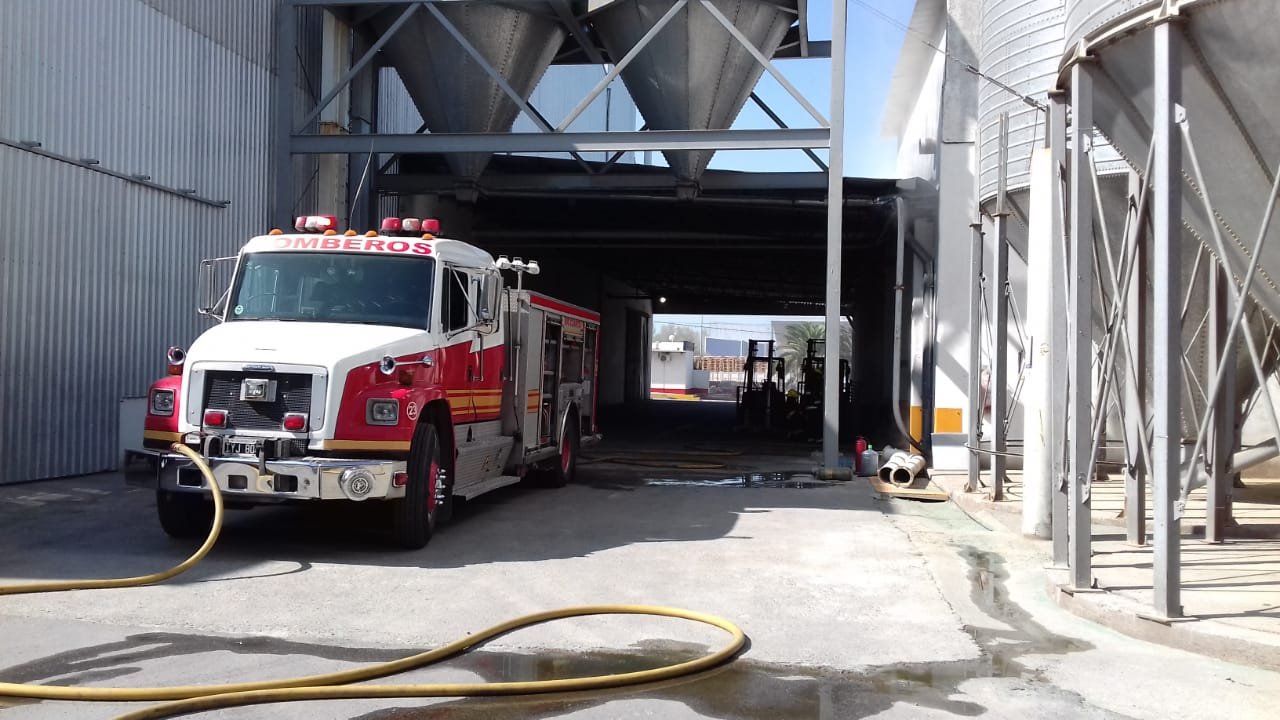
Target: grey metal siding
(97, 273)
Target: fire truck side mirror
(490, 297)
(213, 285)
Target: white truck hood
(326, 345)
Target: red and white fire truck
(387, 366)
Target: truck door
(458, 326)
(550, 390)
(487, 346)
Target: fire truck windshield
(333, 287)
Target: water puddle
(797, 480)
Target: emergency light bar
(410, 226)
(315, 223)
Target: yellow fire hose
(337, 685)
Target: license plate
(241, 446)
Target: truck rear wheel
(566, 463)
(184, 515)
(428, 499)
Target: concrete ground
(856, 606)
(1230, 590)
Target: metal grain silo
(1228, 88)
(693, 74)
(451, 91)
(1022, 45)
(1228, 92)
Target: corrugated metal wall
(97, 274)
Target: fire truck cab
(392, 366)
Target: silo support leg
(1058, 290)
(1166, 350)
(1080, 337)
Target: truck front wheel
(184, 515)
(428, 497)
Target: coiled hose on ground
(338, 685)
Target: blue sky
(872, 47)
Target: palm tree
(794, 345)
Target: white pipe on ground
(907, 470)
(895, 461)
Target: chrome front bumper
(308, 478)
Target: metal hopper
(693, 75)
(451, 91)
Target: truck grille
(222, 391)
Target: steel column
(1000, 353)
(362, 175)
(1080, 338)
(975, 356)
(835, 235)
(286, 58)
(1224, 409)
(1058, 289)
(1135, 471)
(1166, 349)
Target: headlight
(382, 412)
(161, 402)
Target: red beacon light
(315, 223)
(410, 226)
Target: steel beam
(1222, 438)
(975, 356)
(577, 30)
(1058, 379)
(709, 182)
(621, 65)
(1000, 353)
(780, 123)
(1080, 338)
(286, 59)
(1135, 471)
(653, 140)
(835, 235)
(1166, 349)
(359, 65)
(764, 61)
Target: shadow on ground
(688, 478)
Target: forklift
(810, 387)
(760, 400)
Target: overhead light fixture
(662, 299)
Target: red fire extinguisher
(859, 447)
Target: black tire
(415, 517)
(184, 515)
(566, 462)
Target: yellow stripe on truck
(163, 435)
(393, 445)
